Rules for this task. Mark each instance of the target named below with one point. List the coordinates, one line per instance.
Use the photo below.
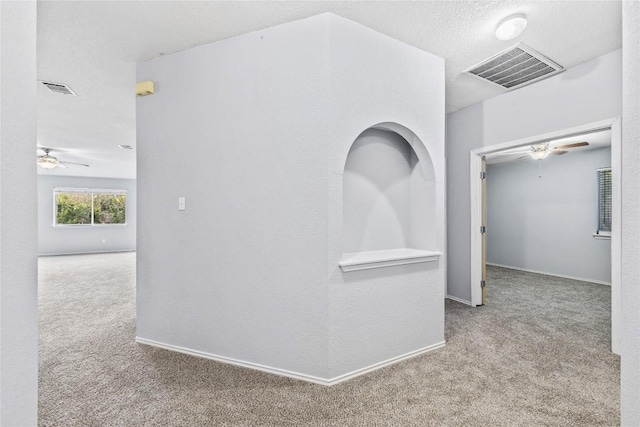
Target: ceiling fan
(47, 161)
(541, 151)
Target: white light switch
(181, 204)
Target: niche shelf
(389, 197)
(385, 258)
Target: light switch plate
(182, 203)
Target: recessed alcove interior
(389, 193)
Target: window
(84, 206)
(604, 202)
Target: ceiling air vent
(515, 67)
(59, 88)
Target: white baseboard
(88, 253)
(460, 300)
(382, 364)
(599, 282)
(286, 373)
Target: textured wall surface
(379, 314)
(254, 132)
(75, 240)
(583, 94)
(18, 239)
(547, 224)
(630, 361)
(237, 128)
(377, 192)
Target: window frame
(92, 192)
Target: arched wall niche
(426, 164)
(389, 200)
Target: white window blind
(604, 200)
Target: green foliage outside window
(109, 208)
(73, 208)
(90, 208)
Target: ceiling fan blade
(511, 153)
(60, 165)
(526, 156)
(559, 152)
(505, 157)
(73, 163)
(574, 145)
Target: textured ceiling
(93, 46)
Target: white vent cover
(515, 67)
(59, 88)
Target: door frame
(475, 167)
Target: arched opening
(389, 195)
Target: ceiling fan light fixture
(539, 154)
(511, 27)
(47, 162)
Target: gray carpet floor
(537, 354)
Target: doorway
(478, 218)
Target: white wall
(583, 94)
(377, 192)
(546, 224)
(254, 131)
(388, 197)
(630, 361)
(233, 127)
(376, 315)
(83, 239)
(18, 241)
